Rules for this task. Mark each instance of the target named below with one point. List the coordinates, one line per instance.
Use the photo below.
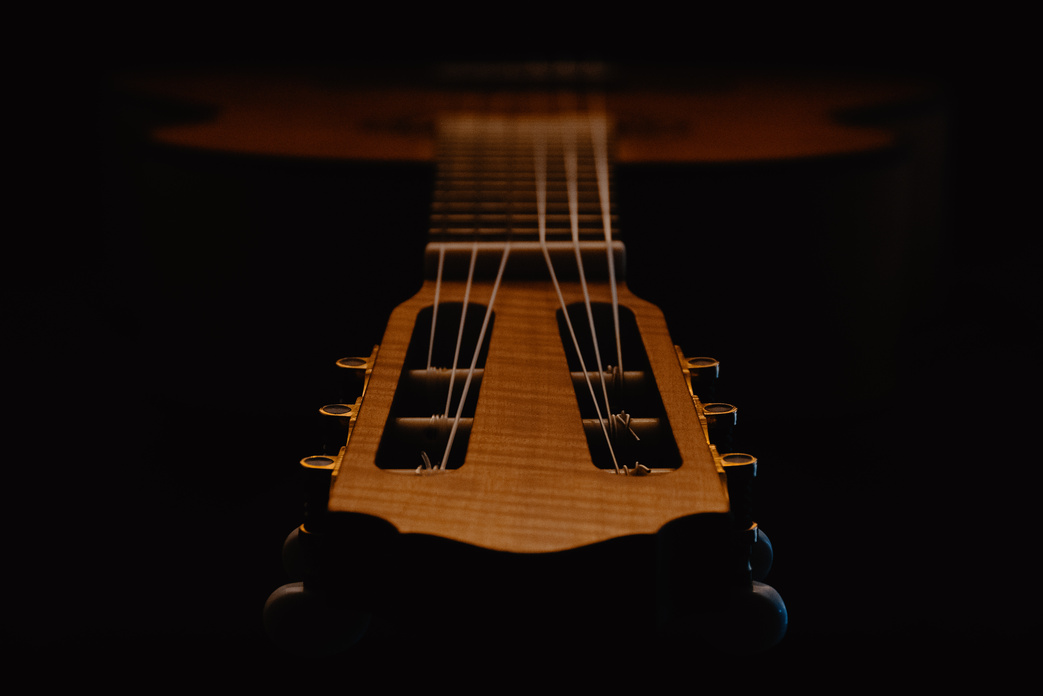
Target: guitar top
(717, 117)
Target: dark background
(178, 316)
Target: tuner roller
(721, 420)
(318, 477)
(352, 377)
(740, 469)
(334, 424)
(704, 373)
(302, 621)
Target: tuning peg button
(306, 622)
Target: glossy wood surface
(528, 484)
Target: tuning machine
(741, 469)
(751, 550)
(336, 422)
(721, 420)
(302, 616)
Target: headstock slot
(643, 434)
(421, 416)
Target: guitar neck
(486, 194)
(529, 463)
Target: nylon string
(540, 161)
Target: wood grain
(528, 484)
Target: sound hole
(632, 429)
(423, 418)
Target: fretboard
(486, 189)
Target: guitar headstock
(530, 468)
(481, 421)
(532, 405)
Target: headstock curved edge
(528, 485)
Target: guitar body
(520, 508)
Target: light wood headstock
(529, 471)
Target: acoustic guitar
(526, 441)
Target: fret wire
(458, 218)
(540, 166)
(485, 323)
(485, 187)
(478, 164)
